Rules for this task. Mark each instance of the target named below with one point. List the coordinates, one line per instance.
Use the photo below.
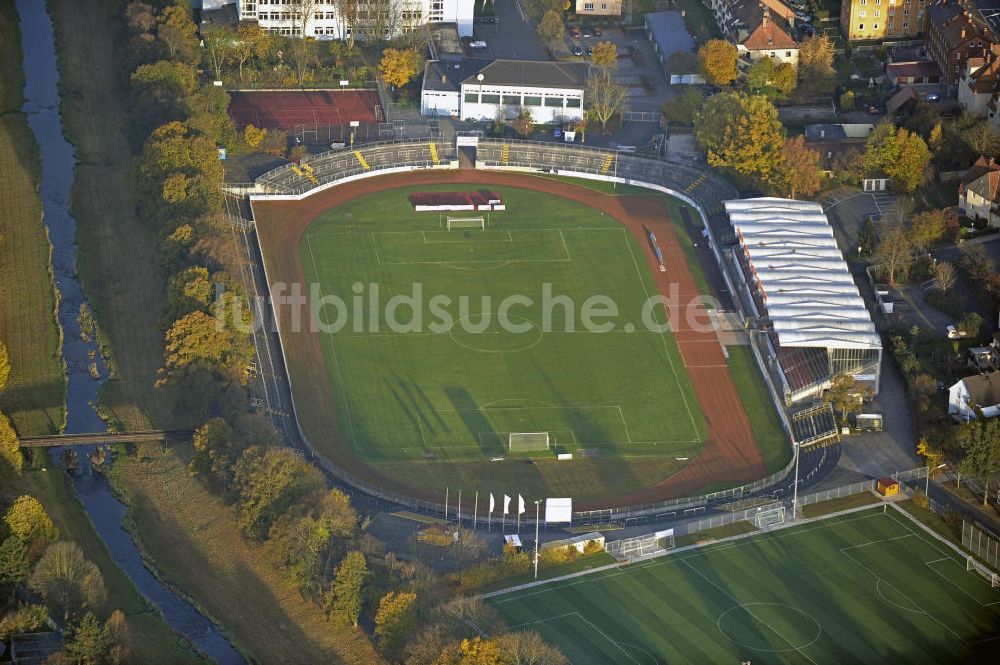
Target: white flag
(506, 504)
(520, 504)
(491, 502)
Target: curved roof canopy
(810, 296)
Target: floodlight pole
(537, 504)
(795, 490)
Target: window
(491, 99)
(532, 100)
(604, 6)
(788, 54)
(862, 14)
(471, 98)
(588, 6)
(906, 24)
(875, 27)
(512, 100)
(554, 102)
(861, 26)
(572, 103)
(877, 13)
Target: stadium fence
(981, 543)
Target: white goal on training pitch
(528, 442)
(456, 223)
(766, 517)
(972, 565)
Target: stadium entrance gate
(466, 143)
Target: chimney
(767, 15)
(963, 33)
(444, 78)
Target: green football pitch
(410, 387)
(868, 587)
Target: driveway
(512, 37)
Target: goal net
(456, 223)
(766, 517)
(972, 565)
(528, 441)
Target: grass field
(455, 392)
(866, 587)
(35, 395)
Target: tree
(302, 12)
(551, 29)
(10, 446)
(67, 581)
(251, 40)
(200, 341)
(800, 172)
(267, 482)
(894, 253)
(868, 236)
(394, 619)
(847, 101)
(845, 395)
(718, 60)
(928, 227)
(253, 137)
(899, 153)
(345, 595)
(761, 74)
(980, 441)
(88, 641)
(816, 72)
(944, 277)
(523, 122)
(399, 66)
(27, 520)
(24, 619)
(528, 647)
(932, 457)
(971, 324)
(190, 290)
(219, 46)
(159, 94)
(140, 17)
(683, 62)
(607, 97)
(178, 32)
(216, 448)
(605, 55)
(785, 79)
(4, 366)
(683, 108)
(13, 560)
(981, 138)
(741, 133)
(936, 137)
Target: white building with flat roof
(326, 21)
(552, 91)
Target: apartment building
(867, 20)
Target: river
(58, 167)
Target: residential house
(974, 395)
(552, 91)
(598, 7)
(868, 20)
(770, 39)
(758, 27)
(954, 35)
(326, 22)
(979, 191)
(913, 72)
(977, 87)
(837, 142)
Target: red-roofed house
(770, 39)
(953, 36)
(979, 191)
(913, 72)
(979, 83)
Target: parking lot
(510, 36)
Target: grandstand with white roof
(809, 314)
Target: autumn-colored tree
(178, 32)
(761, 74)
(845, 395)
(27, 520)
(799, 173)
(605, 55)
(683, 108)
(928, 227)
(981, 138)
(785, 78)
(200, 341)
(67, 581)
(742, 133)
(523, 123)
(529, 647)
(4, 365)
(718, 60)
(606, 97)
(894, 253)
(24, 619)
(345, 596)
(267, 482)
(899, 153)
(159, 94)
(139, 16)
(945, 277)
(847, 101)
(13, 561)
(88, 641)
(251, 41)
(216, 448)
(10, 446)
(394, 619)
(816, 72)
(551, 29)
(253, 137)
(399, 66)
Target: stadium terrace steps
(434, 153)
(608, 161)
(362, 161)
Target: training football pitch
(868, 587)
(445, 379)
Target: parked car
(932, 97)
(587, 34)
(574, 32)
(597, 31)
(954, 333)
(557, 132)
(477, 45)
(577, 50)
(803, 17)
(874, 110)
(590, 51)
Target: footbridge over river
(105, 438)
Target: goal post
(971, 565)
(766, 517)
(528, 442)
(464, 223)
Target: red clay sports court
(289, 109)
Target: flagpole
(475, 511)
(445, 504)
(459, 513)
